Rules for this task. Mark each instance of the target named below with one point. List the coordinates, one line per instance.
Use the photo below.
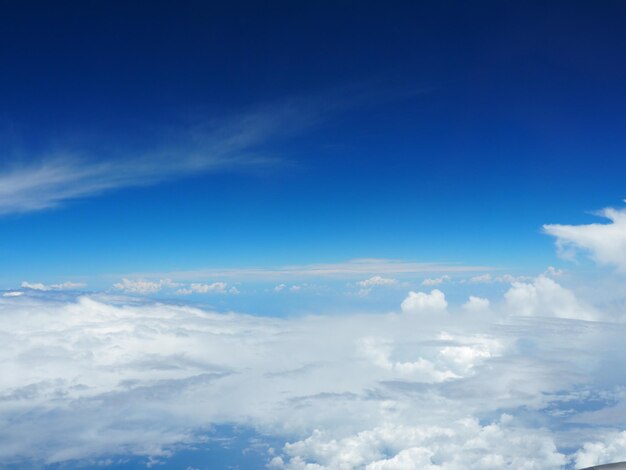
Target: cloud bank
(432, 386)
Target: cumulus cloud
(381, 391)
(605, 243)
(421, 302)
(476, 304)
(47, 287)
(374, 281)
(293, 288)
(544, 297)
(377, 281)
(435, 281)
(611, 449)
(213, 288)
(143, 286)
(457, 446)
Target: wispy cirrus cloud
(377, 268)
(43, 182)
(232, 143)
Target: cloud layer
(434, 386)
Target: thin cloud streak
(231, 143)
(341, 270)
(49, 181)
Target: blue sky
(379, 138)
(193, 196)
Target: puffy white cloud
(606, 243)
(435, 281)
(544, 297)
(451, 446)
(47, 287)
(421, 302)
(279, 288)
(611, 449)
(476, 304)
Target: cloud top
(605, 243)
(421, 302)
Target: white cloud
(47, 287)
(544, 297)
(377, 281)
(551, 271)
(49, 181)
(505, 278)
(606, 243)
(374, 281)
(293, 288)
(454, 446)
(352, 269)
(15, 293)
(482, 278)
(436, 281)
(420, 302)
(381, 391)
(213, 288)
(476, 304)
(204, 288)
(611, 449)
(142, 286)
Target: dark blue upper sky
(426, 131)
